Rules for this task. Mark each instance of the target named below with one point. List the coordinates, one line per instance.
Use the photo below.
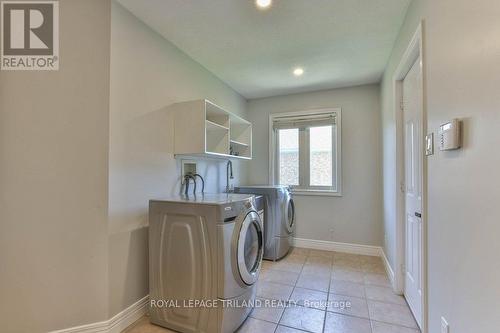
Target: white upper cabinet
(205, 129)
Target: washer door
(250, 248)
(289, 213)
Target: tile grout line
(295, 286)
(361, 284)
(364, 298)
(328, 291)
(332, 266)
(283, 313)
(294, 328)
(337, 313)
(397, 325)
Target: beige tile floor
(325, 291)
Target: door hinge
(403, 269)
(402, 105)
(402, 187)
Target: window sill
(321, 193)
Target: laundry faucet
(229, 175)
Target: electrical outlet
(445, 328)
(188, 167)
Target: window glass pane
(320, 139)
(289, 156)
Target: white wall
(148, 74)
(356, 217)
(54, 180)
(462, 71)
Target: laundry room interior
(267, 166)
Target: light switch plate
(429, 144)
(445, 328)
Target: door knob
(418, 215)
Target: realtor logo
(30, 35)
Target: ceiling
(339, 43)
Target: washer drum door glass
(290, 214)
(250, 248)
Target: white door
(412, 116)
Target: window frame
(304, 169)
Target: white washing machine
(204, 252)
(279, 216)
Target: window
(305, 151)
(289, 156)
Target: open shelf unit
(217, 127)
(204, 129)
(211, 126)
(240, 142)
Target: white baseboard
(388, 268)
(117, 323)
(368, 250)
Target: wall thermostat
(449, 135)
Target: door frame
(413, 51)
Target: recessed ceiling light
(263, 4)
(298, 71)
